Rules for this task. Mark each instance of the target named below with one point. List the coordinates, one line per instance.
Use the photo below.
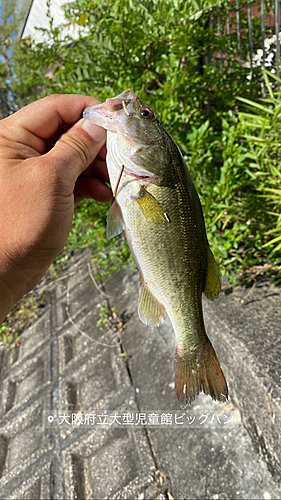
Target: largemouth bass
(156, 204)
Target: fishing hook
(126, 109)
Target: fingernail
(95, 132)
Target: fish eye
(146, 113)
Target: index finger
(39, 121)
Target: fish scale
(157, 206)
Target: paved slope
(66, 362)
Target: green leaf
(256, 105)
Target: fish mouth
(100, 113)
(111, 105)
(120, 101)
(126, 95)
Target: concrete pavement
(67, 363)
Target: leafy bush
(173, 55)
(241, 194)
(263, 136)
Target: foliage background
(189, 71)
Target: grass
(20, 317)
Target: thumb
(77, 148)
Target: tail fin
(196, 372)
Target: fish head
(138, 132)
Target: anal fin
(213, 278)
(151, 311)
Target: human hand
(48, 162)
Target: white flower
(270, 50)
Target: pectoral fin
(150, 207)
(115, 224)
(151, 312)
(213, 278)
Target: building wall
(37, 18)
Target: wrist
(6, 301)
(8, 296)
